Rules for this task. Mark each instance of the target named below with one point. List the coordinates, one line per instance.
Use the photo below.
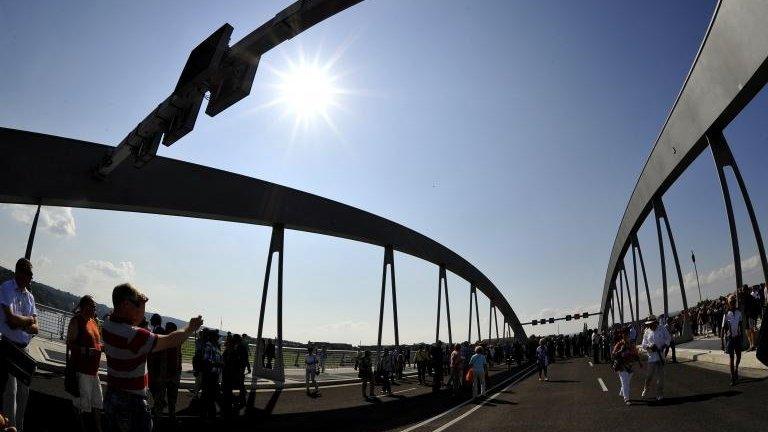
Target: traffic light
(576, 316)
(568, 317)
(551, 320)
(585, 315)
(534, 322)
(542, 321)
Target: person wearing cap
(127, 346)
(18, 324)
(655, 341)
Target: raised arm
(178, 337)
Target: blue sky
(511, 132)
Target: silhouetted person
(172, 374)
(156, 363)
(436, 353)
(269, 354)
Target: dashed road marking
(602, 384)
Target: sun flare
(308, 92)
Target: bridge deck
(699, 398)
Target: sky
(512, 132)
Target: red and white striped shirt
(127, 347)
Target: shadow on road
(679, 400)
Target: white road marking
(523, 373)
(476, 407)
(406, 390)
(602, 384)
(591, 365)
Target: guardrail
(53, 324)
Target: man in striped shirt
(126, 346)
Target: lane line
(524, 372)
(475, 408)
(406, 390)
(602, 384)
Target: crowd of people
(734, 319)
(144, 359)
(136, 355)
(460, 368)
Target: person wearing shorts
(84, 345)
(731, 332)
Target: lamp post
(693, 258)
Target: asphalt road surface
(697, 399)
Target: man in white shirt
(731, 326)
(18, 323)
(655, 342)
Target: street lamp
(693, 258)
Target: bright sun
(307, 91)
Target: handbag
(70, 377)
(470, 377)
(17, 361)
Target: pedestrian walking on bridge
(542, 359)
(731, 332)
(365, 372)
(311, 362)
(625, 357)
(595, 347)
(655, 342)
(479, 366)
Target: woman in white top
(479, 366)
(732, 327)
(311, 362)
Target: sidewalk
(707, 349)
(50, 356)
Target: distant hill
(58, 299)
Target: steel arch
(729, 70)
(172, 187)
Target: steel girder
(730, 68)
(56, 171)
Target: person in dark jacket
(436, 354)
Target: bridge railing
(52, 322)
